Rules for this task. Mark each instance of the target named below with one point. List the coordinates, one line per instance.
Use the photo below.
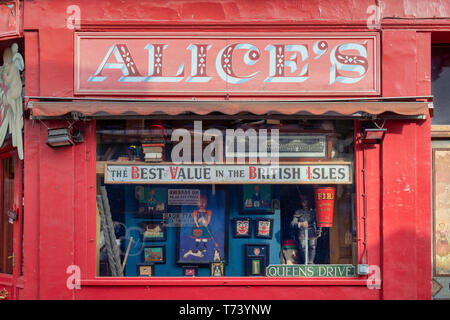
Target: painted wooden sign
(337, 173)
(10, 19)
(226, 64)
(312, 271)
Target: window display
(215, 198)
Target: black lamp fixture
(373, 134)
(61, 137)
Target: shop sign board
(311, 271)
(258, 64)
(306, 173)
(10, 19)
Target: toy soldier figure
(305, 232)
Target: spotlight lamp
(59, 137)
(373, 135)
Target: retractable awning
(94, 109)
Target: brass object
(13, 257)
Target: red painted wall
(60, 184)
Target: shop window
(171, 205)
(440, 82)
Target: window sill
(223, 281)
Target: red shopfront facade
(100, 75)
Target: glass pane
(440, 82)
(234, 227)
(6, 229)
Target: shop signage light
(373, 135)
(59, 137)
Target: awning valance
(172, 108)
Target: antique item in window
(202, 233)
(150, 202)
(153, 144)
(145, 269)
(263, 228)
(154, 254)
(256, 198)
(289, 252)
(242, 227)
(324, 199)
(190, 271)
(305, 230)
(256, 259)
(256, 266)
(217, 269)
(153, 231)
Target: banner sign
(311, 271)
(225, 64)
(336, 173)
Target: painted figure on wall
(305, 231)
(200, 231)
(442, 248)
(442, 213)
(11, 97)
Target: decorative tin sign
(287, 146)
(242, 227)
(263, 228)
(312, 173)
(225, 64)
(313, 271)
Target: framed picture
(263, 228)
(190, 271)
(145, 269)
(202, 235)
(154, 254)
(150, 202)
(256, 198)
(241, 227)
(153, 231)
(256, 266)
(256, 258)
(217, 269)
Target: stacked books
(153, 144)
(154, 152)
